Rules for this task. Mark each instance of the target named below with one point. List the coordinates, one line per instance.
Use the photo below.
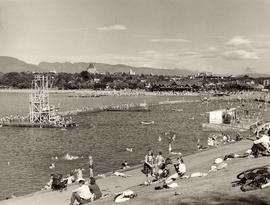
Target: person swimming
(52, 166)
(125, 165)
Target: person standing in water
(91, 172)
(170, 147)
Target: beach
(215, 188)
(107, 134)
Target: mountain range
(10, 64)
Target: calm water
(104, 135)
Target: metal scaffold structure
(39, 106)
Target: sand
(216, 187)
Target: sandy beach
(213, 189)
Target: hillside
(102, 68)
(9, 64)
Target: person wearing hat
(81, 194)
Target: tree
(85, 75)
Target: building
(131, 72)
(222, 116)
(91, 69)
(266, 82)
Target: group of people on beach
(261, 146)
(223, 138)
(157, 168)
(86, 192)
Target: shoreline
(97, 93)
(136, 167)
(197, 161)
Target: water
(104, 135)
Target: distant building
(91, 69)
(53, 71)
(131, 72)
(266, 82)
(96, 80)
(204, 74)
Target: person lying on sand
(119, 174)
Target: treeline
(16, 80)
(85, 80)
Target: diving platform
(41, 113)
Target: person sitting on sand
(180, 169)
(94, 188)
(81, 194)
(261, 145)
(48, 186)
(165, 170)
(79, 173)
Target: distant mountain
(102, 68)
(253, 74)
(258, 75)
(9, 64)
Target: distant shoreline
(105, 92)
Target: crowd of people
(87, 191)
(158, 168)
(12, 118)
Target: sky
(219, 36)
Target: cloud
(240, 55)
(148, 52)
(189, 53)
(116, 27)
(169, 40)
(239, 42)
(212, 49)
